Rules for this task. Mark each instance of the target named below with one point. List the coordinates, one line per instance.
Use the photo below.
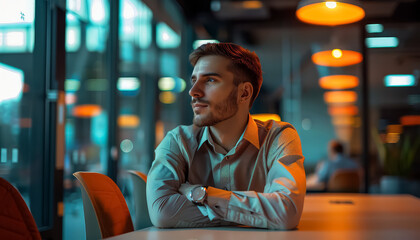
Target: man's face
(214, 95)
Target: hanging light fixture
(338, 82)
(337, 58)
(348, 110)
(330, 13)
(340, 97)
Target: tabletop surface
(325, 216)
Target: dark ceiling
(215, 16)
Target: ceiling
(215, 15)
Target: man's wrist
(198, 195)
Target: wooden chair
(16, 221)
(344, 180)
(142, 219)
(106, 212)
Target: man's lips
(199, 105)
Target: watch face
(198, 193)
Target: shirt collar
(250, 134)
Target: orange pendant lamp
(340, 97)
(349, 110)
(338, 82)
(330, 13)
(337, 58)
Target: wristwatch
(198, 195)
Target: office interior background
(94, 85)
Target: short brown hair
(245, 64)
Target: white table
(325, 216)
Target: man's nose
(195, 91)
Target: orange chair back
(108, 203)
(16, 221)
(344, 180)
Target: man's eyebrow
(207, 75)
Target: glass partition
(87, 91)
(22, 107)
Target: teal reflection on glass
(169, 64)
(166, 37)
(128, 86)
(96, 38)
(72, 38)
(374, 28)
(400, 80)
(198, 43)
(145, 26)
(173, 84)
(99, 12)
(97, 84)
(127, 51)
(78, 7)
(17, 11)
(16, 26)
(381, 42)
(11, 83)
(71, 85)
(99, 134)
(136, 23)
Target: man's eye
(210, 80)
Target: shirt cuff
(218, 201)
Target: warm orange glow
(25, 88)
(350, 110)
(128, 121)
(87, 110)
(329, 13)
(167, 97)
(343, 121)
(337, 53)
(392, 137)
(340, 97)
(394, 128)
(70, 98)
(347, 58)
(338, 82)
(266, 116)
(410, 120)
(252, 4)
(25, 122)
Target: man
(337, 160)
(227, 169)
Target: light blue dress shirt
(259, 183)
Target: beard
(222, 110)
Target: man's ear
(245, 92)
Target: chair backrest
(106, 212)
(16, 221)
(142, 219)
(344, 180)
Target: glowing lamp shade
(266, 116)
(338, 82)
(128, 121)
(87, 110)
(410, 120)
(330, 13)
(349, 110)
(340, 97)
(167, 97)
(337, 58)
(343, 120)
